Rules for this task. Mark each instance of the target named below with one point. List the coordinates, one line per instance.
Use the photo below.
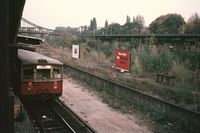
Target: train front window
(27, 73)
(43, 72)
(57, 72)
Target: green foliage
(193, 24)
(144, 58)
(139, 19)
(134, 27)
(106, 24)
(106, 47)
(134, 43)
(167, 24)
(160, 116)
(128, 19)
(181, 72)
(190, 59)
(93, 24)
(114, 28)
(155, 59)
(92, 44)
(57, 42)
(185, 85)
(108, 50)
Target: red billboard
(122, 60)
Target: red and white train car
(39, 75)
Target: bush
(191, 59)
(182, 73)
(154, 59)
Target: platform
(22, 123)
(17, 107)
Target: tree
(128, 19)
(134, 19)
(106, 24)
(134, 27)
(193, 24)
(131, 28)
(93, 24)
(167, 24)
(114, 28)
(140, 20)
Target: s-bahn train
(38, 75)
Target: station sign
(122, 60)
(75, 51)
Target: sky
(75, 13)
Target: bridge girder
(32, 28)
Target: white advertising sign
(75, 51)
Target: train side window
(28, 73)
(57, 73)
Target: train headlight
(55, 85)
(30, 86)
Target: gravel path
(99, 115)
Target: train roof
(30, 57)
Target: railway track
(182, 118)
(53, 116)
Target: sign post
(75, 51)
(122, 60)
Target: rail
(51, 116)
(76, 122)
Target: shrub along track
(179, 118)
(52, 116)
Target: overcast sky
(75, 13)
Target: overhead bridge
(32, 28)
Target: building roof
(29, 40)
